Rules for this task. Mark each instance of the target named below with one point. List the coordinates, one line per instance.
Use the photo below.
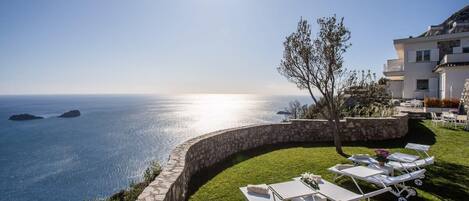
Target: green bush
(131, 193)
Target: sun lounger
(334, 192)
(398, 165)
(419, 148)
(327, 191)
(287, 188)
(416, 165)
(360, 159)
(398, 182)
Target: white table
(401, 157)
(291, 189)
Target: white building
(434, 64)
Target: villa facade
(434, 64)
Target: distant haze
(206, 46)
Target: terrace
(447, 179)
(394, 67)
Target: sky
(191, 46)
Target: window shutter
(457, 50)
(435, 55)
(411, 56)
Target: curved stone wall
(206, 150)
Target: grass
(447, 179)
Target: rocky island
(24, 117)
(71, 113)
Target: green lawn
(447, 179)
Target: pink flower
(382, 153)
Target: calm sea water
(113, 141)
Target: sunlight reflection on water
(210, 112)
(118, 134)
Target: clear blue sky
(206, 46)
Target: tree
(316, 65)
(366, 96)
(296, 110)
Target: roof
(431, 38)
(454, 64)
(456, 23)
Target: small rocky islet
(70, 114)
(26, 116)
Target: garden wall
(206, 150)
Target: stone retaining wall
(206, 150)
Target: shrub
(131, 193)
(450, 103)
(446, 103)
(432, 102)
(152, 171)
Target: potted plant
(382, 156)
(311, 180)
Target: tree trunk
(334, 124)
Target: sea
(115, 138)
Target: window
(422, 84)
(423, 55)
(426, 55)
(465, 50)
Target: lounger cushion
(362, 158)
(413, 165)
(388, 180)
(256, 197)
(259, 197)
(262, 189)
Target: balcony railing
(394, 65)
(455, 58)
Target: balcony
(394, 67)
(455, 58)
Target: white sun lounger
(270, 197)
(419, 148)
(395, 164)
(398, 182)
(416, 165)
(327, 191)
(334, 192)
(402, 167)
(361, 159)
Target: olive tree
(465, 101)
(315, 65)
